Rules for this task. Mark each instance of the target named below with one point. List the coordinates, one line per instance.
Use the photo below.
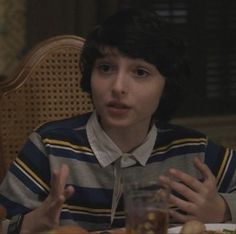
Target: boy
(71, 171)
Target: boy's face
(125, 91)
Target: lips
(118, 105)
(117, 108)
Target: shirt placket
(117, 191)
(125, 160)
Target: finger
(188, 180)
(63, 175)
(185, 205)
(54, 183)
(58, 201)
(180, 216)
(183, 191)
(69, 191)
(58, 180)
(164, 180)
(203, 168)
(54, 208)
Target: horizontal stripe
(67, 145)
(30, 174)
(93, 198)
(91, 211)
(89, 218)
(180, 143)
(27, 181)
(35, 159)
(213, 156)
(232, 190)
(66, 152)
(226, 171)
(176, 152)
(222, 166)
(12, 207)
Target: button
(127, 160)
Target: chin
(117, 124)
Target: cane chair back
(44, 87)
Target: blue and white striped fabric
(27, 182)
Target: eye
(142, 72)
(105, 67)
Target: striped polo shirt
(97, 167)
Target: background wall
(53, 17)
(12, 34)
(208, 27)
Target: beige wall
(12, 33)
(221, 129)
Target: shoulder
(168, 132)
(70, 131)
(176, 141)
(69, 124)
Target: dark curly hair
(141, 34)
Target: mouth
(118, 108)
(118, 105)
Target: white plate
(209, 226)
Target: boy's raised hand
(201, 198)
(47, 216)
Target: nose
(120, 84)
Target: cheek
(95, 87)
(160, 88)
(98, 93)
(153, 102)
(153, 96)
(94, 92)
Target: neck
(127, 139)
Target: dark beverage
(147, 221)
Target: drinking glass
(146, 207)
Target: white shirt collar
(106, 151)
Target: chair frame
(25, 69)
(20, 74)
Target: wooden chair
(44, 87)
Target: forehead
(113, 52)
(110, 51)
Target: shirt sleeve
(27, 181)
(222, 162)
